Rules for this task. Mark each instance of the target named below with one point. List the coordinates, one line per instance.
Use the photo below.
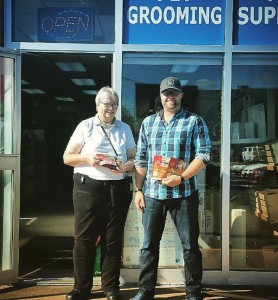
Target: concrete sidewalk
(23, 291)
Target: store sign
(193, 22)
(257, 22)
(66, 24)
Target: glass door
(9, 165)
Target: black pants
(100, 209)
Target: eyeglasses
(170, 93)
(108, 105)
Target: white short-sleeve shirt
(93, 140)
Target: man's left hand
(172, 180)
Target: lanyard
(109, 139)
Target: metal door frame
(12, 162)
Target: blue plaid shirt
(185, 137)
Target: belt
(83, 179)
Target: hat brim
(170, 88)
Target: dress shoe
(114, 295)
(78, 295)
(142, 296)
(194, 296)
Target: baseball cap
(170, 83)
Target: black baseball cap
(170, 83)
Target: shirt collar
(176, 115)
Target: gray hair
(106, 91)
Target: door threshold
(56, 281)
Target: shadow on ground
(23, 291)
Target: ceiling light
(71, 67)
(102, 56)
(69, 99)
(85, 81)
(90, 92)
(205, 84)
(184, 68)
(33, 91)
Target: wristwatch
(182, 178)
(138, 190)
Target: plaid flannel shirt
(185, 137)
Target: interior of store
(58, 90)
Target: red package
(166, 166)
(107, 161)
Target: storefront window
(201, 78)
(6, 105)
(255, 22)
(254, 152)
(87, 21)
(6, 195)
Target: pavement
(29, 291)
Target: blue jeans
(184, 213)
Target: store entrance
(58, 91)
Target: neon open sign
(66, 24)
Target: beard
(172, 104)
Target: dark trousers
(184, 213)
(100, 209)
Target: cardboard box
(211, 259)
(270, 159)
(268, 200)
(270, 254)
(272, 205)
(250, 130)
(237, 130)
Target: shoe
(142, 296)
(114, 295)
(194, 296)
(78, 295)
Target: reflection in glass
(1, 24)
(6, 104)
(254, 152)
(25, 19)
(6, 196)
(201, 78)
